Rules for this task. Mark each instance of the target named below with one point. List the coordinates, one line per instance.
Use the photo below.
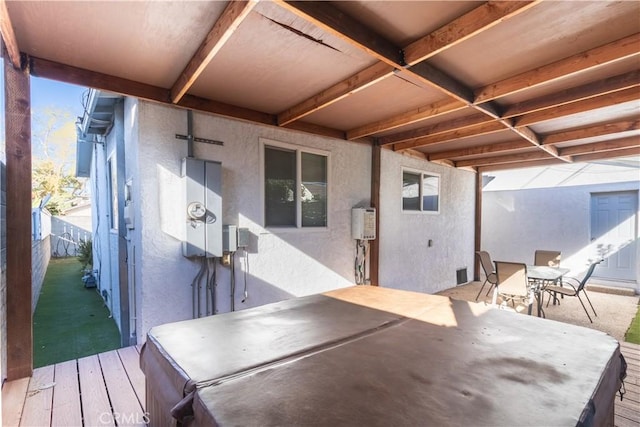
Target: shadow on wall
(66, 234)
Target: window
(295, 187)
(420, 192)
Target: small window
(420, 192)
(295, 187)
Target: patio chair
(574, 291)
(513, 283)
(548, 258)
(489, 271)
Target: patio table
(539, 275)
(374, 356)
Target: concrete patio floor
(615, 312)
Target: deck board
(66, 395)
(126, 408)
(131, 362)
(13, 396)
(38, 404)
(95, 401)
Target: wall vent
(461, 276)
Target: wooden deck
(102, 390)
(108, 389)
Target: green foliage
(633, 333)
(49, 179)
(85, 253)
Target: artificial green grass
(70, 320)
(633, 333)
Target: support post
(17, 98)
(374, 250)
(478, 226)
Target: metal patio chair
(489, 271)
(572, 290)
(513, 284)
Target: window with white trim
(295, 186)
(420, 191)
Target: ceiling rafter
(575, 94)
(460, 29)
(591, 131)
(522, 164)
(624, 152)
(508, 158)
(499, 147)
(481, 129)
(8, 35)
(435, 129)
(361, 80)
(584, 105)
(435, 109)
(225, 26)
(466, 26)
(598, 147)
(605, 54)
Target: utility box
(229, 238)
(203, 210)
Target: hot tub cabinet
(375, 356)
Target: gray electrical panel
(203, 210)
(229, 238)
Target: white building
(588, 211)
(130, 150)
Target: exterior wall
(406, 260)
(282, 264)
(40, 256)
(517, 222)
(101, 225)
(3, 264)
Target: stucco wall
(517, 222)
(406, 260)
(282, 264)
(40, 256)
(3, 265)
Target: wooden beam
(598, 147)
(478, 150)
(588, 104)
(613, 154)
(9, 36)
(421, 113)
(605, 54)
(334, 21)
(520, 165)
(225, 26)
(578, 93)
(374, 250)
(592, 131)
(17, 97)
(466, 26)
(335, 93)
(209, 106)
(482, 129)
(442, 81)
(79, 76)
(508, 158)
(435, 129)
(319, 130)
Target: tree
(54, 139)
